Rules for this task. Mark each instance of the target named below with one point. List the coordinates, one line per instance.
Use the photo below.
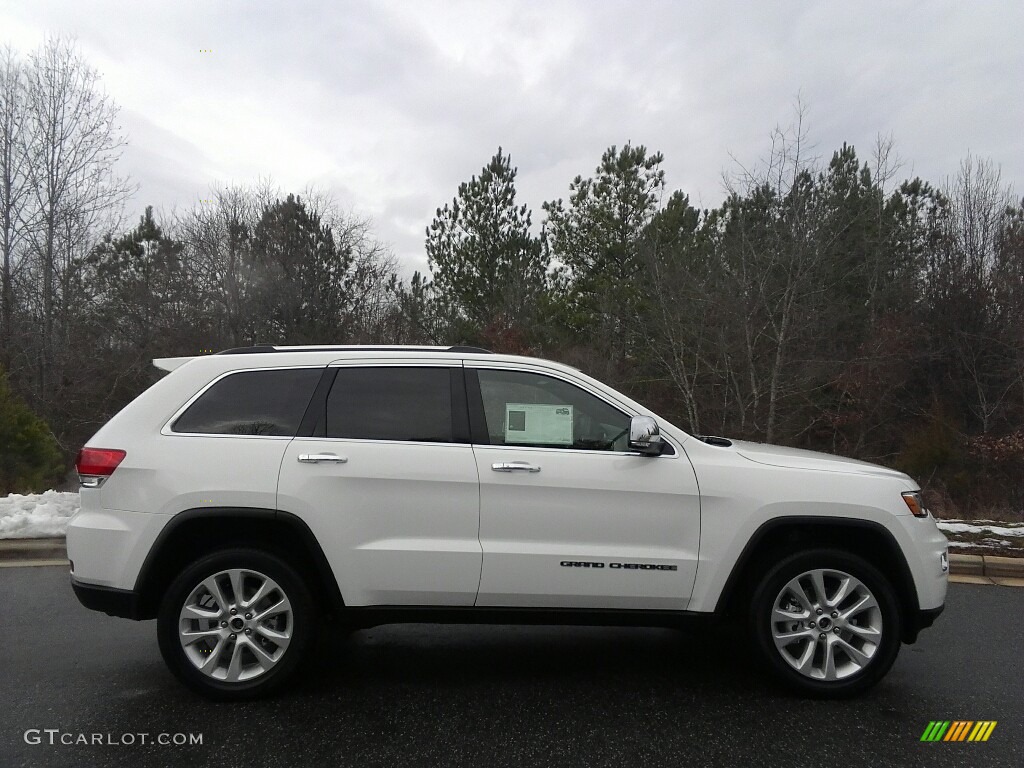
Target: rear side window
(268, 402)
(391, 403)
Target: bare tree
(771, 258)
(370, 301)
(218, 250)
(216, 234)
(968, 270)
(978, 204)
(14, 188)
(75, 144)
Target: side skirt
(362, 617)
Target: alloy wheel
(826, 624)
(236, 625)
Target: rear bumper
(108, 546)
(123, 603)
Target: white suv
(248, 494)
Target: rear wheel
(235, 624)
(827, 623)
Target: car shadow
(488, 655)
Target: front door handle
(316, 458)
(514, 466)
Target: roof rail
(260, 349)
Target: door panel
(591, 528)
(397, 521)
(387, 481)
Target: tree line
(825, 304)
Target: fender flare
(905, 586)
(317, 560)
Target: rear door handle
(514, 466)
(316, 458)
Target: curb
(960, 565)
(13, 550)
(986, 565)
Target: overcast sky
(389, 105)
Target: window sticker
(538, 424)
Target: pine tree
(30, 459)
(300, 275)
(483, 258)
(598, 240)
(138, 289)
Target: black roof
(260, 349)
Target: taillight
(95, 465)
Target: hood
(797, 458)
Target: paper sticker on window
(538, 424)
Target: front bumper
(123, 603)
(918, 620)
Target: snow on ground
(36, 515)
(985, 544)
(980, 526)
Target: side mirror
(644, 436)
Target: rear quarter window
(269, 402)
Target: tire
(242, 655)
(859, 628)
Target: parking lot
(495, 696)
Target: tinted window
(391, 403)
(541, 411)
(252, 403)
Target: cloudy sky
(390, 104)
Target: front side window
(269, 402)
(391, 403)
(531, 409)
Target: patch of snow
(977, 521)
(983, 544)
(36, 515)
(956, 526)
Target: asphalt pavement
(497, 696)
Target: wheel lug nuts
(248, 616)
(835, 614)
(234, 611)
(811, 625)
(836, 630)
(223, 624)
(821, 636)
(231, 636)
(249, 631)
(819, 611)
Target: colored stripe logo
(958, 730)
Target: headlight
(914, 502)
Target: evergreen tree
(138, 290)
(30, 459)
(484, 261)
(597, 240)
(300, 276)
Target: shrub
(30, 459)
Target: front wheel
(235, 624)
(827, 623)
